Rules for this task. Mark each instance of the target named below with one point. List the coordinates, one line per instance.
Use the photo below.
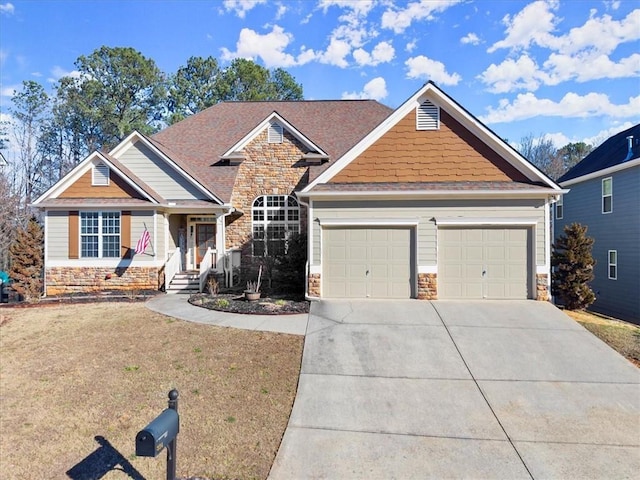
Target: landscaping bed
(236, 303)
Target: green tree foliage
(118, 91)
(26, 256)
(193, 88)
(553, 162)
(573, 267)
(245, 80)
(202, 83)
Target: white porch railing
(207, 262)
(173, 266)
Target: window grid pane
(100, 234)
(275, 218)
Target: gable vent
(428, 116)
(275, 133)
(100, 175)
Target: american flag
(143, 242)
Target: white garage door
(483, 263)
(366, 262)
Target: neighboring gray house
(605, 196)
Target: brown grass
(71, 373)
(621, 336)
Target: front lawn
(78, 381)
(621, 336)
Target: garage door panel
(483, 263)
(377, 262)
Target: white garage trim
(369, 222)
(457, 221)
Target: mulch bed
(236, 303)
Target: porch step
(185, 282)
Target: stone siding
(268, 169)
(64, 280)
(427, 286)
(314, 285)
(542, 287)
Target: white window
(427, 116)
(613, 264)
(100, 175)
(607, 195)
(275, 133)
(275, 218)
(559, 208)
(100, 234)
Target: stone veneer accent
(427, 286)
(542, 287)
(268, 169)
(314, 285)
(62, 280)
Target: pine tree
(573, 267)
(26, 254)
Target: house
(605, 196)
(421, 202)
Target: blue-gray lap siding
(618, 230)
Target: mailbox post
(161, 433)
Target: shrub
(26, 256)
(573, 267)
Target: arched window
(275, 218)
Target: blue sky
(566, 69)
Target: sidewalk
(177, 306)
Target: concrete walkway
(178, 306)
(414, 389)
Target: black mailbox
(158, 434)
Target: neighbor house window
(275, 218)
(99, 234)
(607, 195)
(559, 209)
(613, 264)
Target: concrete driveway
(414, 389)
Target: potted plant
(252, 293)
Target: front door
(205, 238)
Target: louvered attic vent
(275, 133)
(100, 176)
(428, 116)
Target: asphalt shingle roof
(610, 153)
(197, 142)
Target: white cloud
(7, 8)
(613, 5)
(511, 75)
(411, 46)
(383, 52)
(572, 105)
(269, 47)
(585, 67)
(358, 7)
(9, 90)
(470, 39)
(399, 20)
(533, 24)
(376, 89)
(58, 72)
(423, 67)
(241, 7)
(282, 9)
(336, 53)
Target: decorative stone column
(542, 287)
(314, 285)
(427, 286)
